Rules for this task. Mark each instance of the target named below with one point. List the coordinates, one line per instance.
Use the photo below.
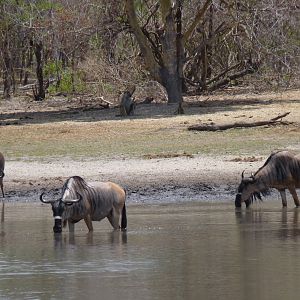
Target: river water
(174, 251)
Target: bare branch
(196, 21)
(141, 38)
(213, 127)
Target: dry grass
(155, 132)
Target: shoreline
(163, 180)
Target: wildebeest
(281, 171)
(91, 202)
(2, 164)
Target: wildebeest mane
(77, 186)
(266, 162)
(278, 167)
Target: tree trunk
(171, 55)
(172, 84)
(28, 59)
(40, 91)
(7, 77)
(165, 69)
(7, 70)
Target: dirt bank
(146, 180)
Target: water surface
(174, 251)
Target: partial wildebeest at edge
(280, 171)
(91, 202)
(2, 164)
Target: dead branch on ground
(214, 127)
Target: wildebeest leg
(88, 222)
(295, 196)
(114, 219)
(2, 212)
(283, 197)
(1, 185)
(248, 203)
(71, 226)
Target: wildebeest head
(58, 208)
(247, 191)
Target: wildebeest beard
(255, 196)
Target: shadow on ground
(94, 112)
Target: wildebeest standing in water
(281, 171)
(2, 164)
(91, 202)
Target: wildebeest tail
(124, 218)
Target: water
(175, 251)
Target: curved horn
(243, 174)
(73, 200)
(45, 201)
(1, 174)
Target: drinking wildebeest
(281, 171)
(91, 202)
(2, 163)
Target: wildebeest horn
(45, 201)
(243, 174)
(1, 174)
(73, 200)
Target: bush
(66, 80)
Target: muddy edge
(180, 179)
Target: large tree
(163, 49)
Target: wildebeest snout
(57, 226)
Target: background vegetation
(94, 46)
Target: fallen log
(214, 127)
